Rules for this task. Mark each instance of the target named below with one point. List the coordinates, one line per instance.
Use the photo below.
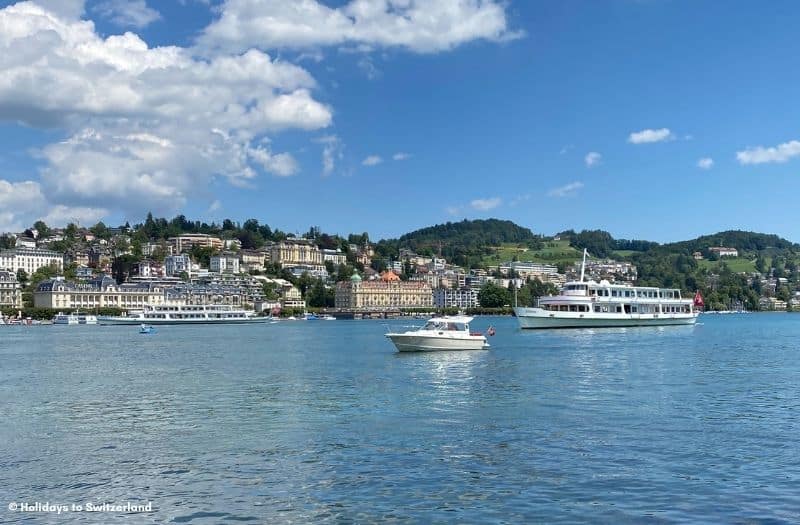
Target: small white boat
(328, 317)
(62, 318)
(147, 329)
(74, 318)
(440, 333)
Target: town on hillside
(443, 267)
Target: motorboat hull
(426, 343)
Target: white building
(10, 289)
(30, 259)
(337, 257)
(224, 263)
(724, 252)
(97, 293)
(460, 298)
(176, 264)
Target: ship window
(573, 308)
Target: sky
(651, 119)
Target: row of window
(619, 308)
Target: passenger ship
(186, 314)
(582, 304)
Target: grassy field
(736, 264)
(552, 252)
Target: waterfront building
(227, 262)
(455, 298)
(30, 259)
(771, 303)
(184, 243)
(176, 264)
(100, 292)
(296, 252)
(387, 292)
(10, 289)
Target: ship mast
(583, 265)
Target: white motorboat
(440, 333)
(589, 304)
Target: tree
(7, 241)
(317, 295)
(493, 296)
(100, 230)
(22, 277)
(42, 229)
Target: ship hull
(537, 318)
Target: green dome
(355, 278)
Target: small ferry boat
(440, 333)
(186, 314)
(589, 304)
(74, 318)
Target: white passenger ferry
(186, 314)
(584, 304)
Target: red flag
(698, 299)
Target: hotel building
(29, 259)
(387, 292)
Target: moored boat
(440, 333)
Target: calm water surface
(324, 422)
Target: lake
(312, 421)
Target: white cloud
(372, 160)
(68, 9)
(567, 190)
(565, 149)
(331, 152)
(23, 203)
(146, 128)
(454, 210)
(761, 155)
(705, 163)
(401, 156)
(216, 205)
(486, 204)
(650, 135)
(592, 159)
(422, 26)
(127, 13)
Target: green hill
(465, 243)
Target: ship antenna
(583, 265)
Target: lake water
(325, 422)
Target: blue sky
(652, 119)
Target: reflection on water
(325, 422)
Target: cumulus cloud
(761, 155)
(372, 160)
(592, 159)
(146, 127)
(23, 203)
(127, 13)
(420, 26)
(705, 163)
(401, 156)
(486, 204)
(650, 135)
(567, 190)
